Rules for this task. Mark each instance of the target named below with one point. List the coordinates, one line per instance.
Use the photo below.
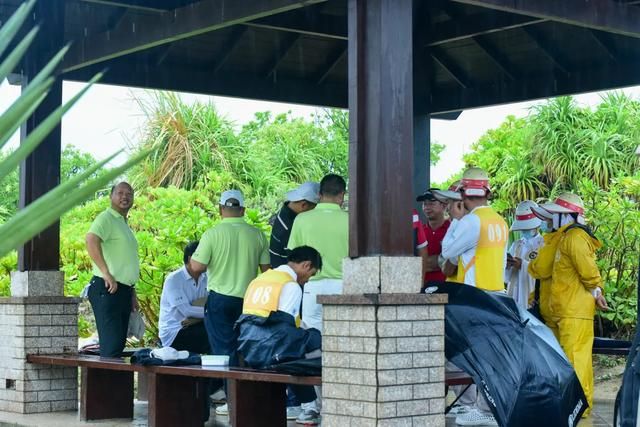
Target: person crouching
(269, 331)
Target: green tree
(73, 163)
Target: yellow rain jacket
(575, 274)
(568, 307)
(541, 268)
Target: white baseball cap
(169, 354)
(232, 194)
(309, 191)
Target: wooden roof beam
(238, 85)
(229, 46)
(333, 61)
(603, 15)
(489, 50)
(330, 28)
(605, 44)
(496, 56)
(538, 86)
(472, 26)
(148, 31)
(546, 48)
(451, 68)
(283, 49)
(140, 5)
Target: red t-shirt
(434, 247)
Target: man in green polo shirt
(326, 229)
(231, 253)
(113, 249)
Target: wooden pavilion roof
(480, 52)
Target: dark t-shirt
(434, 247)
(280, 232)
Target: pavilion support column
(383, 342)
(37, 318)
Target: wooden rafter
(550, 51)
(284, 47)
(334, 59)
(538, 86)
(229, 47)
(451, 68)
(148, 31)
(604, 15)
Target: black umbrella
(513, 358)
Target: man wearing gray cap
(230, 253)
(302, 199)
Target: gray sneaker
(308, 418)
(293, 412)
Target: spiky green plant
(43, 212)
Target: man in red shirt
(434, 205)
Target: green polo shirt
(232, 251)
(325, 228)
(119, 247)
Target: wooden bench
(177, 394)
(611, 346)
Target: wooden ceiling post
(40, 172)
(381, 127)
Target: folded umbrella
(513, 358)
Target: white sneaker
(293, 412)
(222, 410)
(308, 418)
(457, 410)
(476, 418)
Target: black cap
(427, 195)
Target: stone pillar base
(383, 360)
(37, 325)
(37, 283)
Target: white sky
(107, 118)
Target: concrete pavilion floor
(602, 417)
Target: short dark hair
(113, 188)
(332, 185)
(189, 250)
(305, 253)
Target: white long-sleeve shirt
(520, 284)
(178, 293)
(461, 242)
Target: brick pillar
(383, 347)
(37, 325)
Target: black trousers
(193, 338)
(112, 313)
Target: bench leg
(106, 394)
(257, 403)
(176, 400)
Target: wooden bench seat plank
(84, 360)
(236, 373)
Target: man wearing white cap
(230, 253)
(477, 243)
(520, 284)
(302, 199)
(326, 229)
(568, 263)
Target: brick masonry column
(383, 352)
(47, 323)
